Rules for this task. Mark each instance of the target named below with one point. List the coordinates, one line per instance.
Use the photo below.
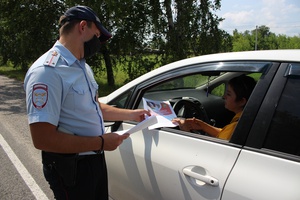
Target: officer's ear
(82, 25)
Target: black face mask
(91, 47)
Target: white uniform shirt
(62, 91)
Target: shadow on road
(11, 92)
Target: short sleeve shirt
(227, 131)
(62, 91)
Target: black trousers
(75, 177)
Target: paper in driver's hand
(140, 126)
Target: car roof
(262, 55)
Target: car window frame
(263, 120)
(246, 121)
(239, 136)
(228, 66)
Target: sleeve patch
(40, 95)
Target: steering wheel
(189, 107)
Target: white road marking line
(35, 189)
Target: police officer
(64, 114)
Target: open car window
(186, 82)
(209, 78)
(198, 86)
(205, 88)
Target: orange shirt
(227, 131)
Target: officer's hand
(113, 140)
(138, 115)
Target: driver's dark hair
(242, 86)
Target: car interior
(193, 91)
(197, 95)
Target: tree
(192, 25)
(27, 29)
(241, 41)
(285, 42)
(294, 42)
(226, 45)
(265, 40)
(146, 33)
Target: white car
(260, 161)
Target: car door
(268, 167)
(159, 164)
(171, 164)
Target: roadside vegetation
(146, 35)
(12, 72)
(120, 77)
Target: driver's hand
(184, 124)
(189, 124)
(195, 124)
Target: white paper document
(161, 112)
(140, 126)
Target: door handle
(199, 173)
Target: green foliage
(219, 91)
(146, 33)
(12, 72)
(28, 28)
(170, 30)
(191, 28)
(265, 40)
(241, 42)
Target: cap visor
(105, 34)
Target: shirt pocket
(82, 98)
(79, 89)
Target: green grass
(12, 72)
(104, 89)
(101, 78)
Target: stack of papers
(161, 112)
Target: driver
(236, 96)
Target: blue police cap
(86, 13)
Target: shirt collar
(65, 53)
(236, 117)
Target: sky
(281, 16)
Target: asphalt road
(21, 175)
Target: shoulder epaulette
(52, 59)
